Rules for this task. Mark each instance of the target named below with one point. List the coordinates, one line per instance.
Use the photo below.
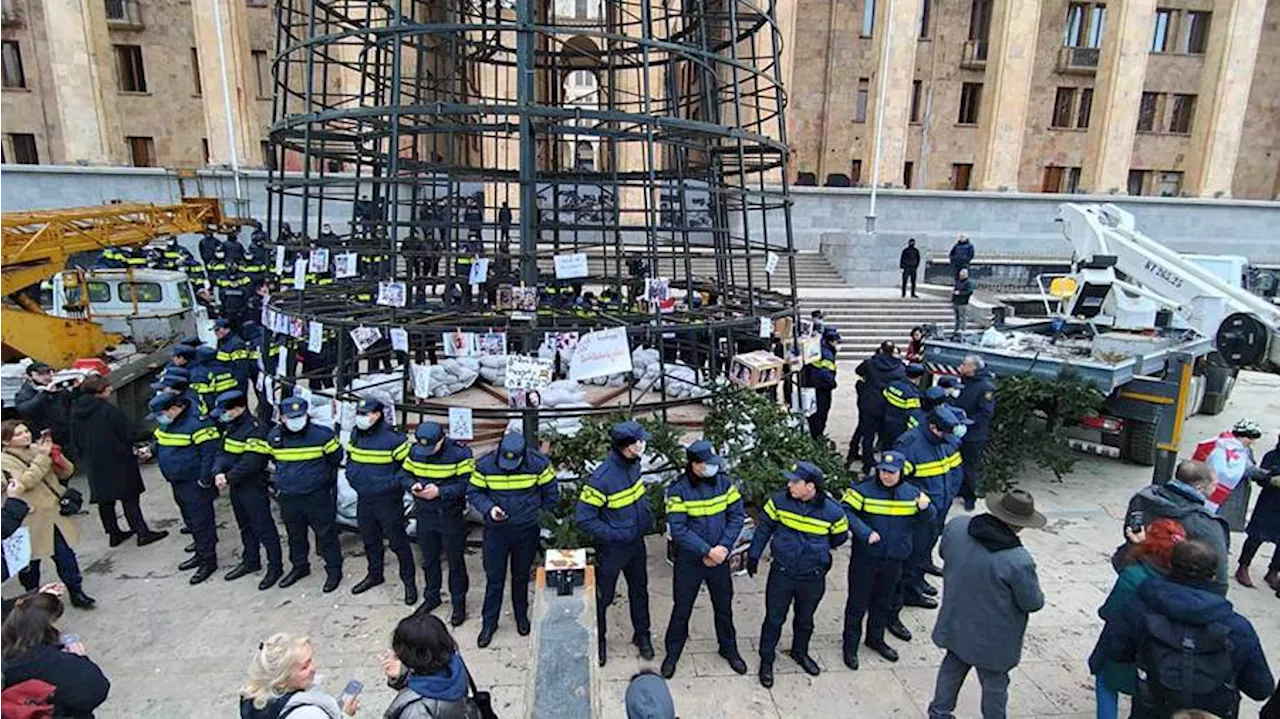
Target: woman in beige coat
(32, 470)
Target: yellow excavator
(38, 244)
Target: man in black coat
(909, 262)
(103, 436)
(41, 404)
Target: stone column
(1234, 33)
(1006, 92)
(84, 82)
(1117, 95)
(240, 91)
(897, 21)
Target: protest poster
(492, 343)
(479, 272)
(459, 344)
(528, 372)
(399, 339)
(315, 338)
(282, 363)
(300, 273)
(460, 423)
(421, 379)
(571, 266)
(17, 550)
(391, 294)
(364, 337)
(766, 327)
(346, 264)
(524, 299)
(771, 263)
(560, 341)
(280, 258)
(599, 354)
(319, 260)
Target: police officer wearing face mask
(901, 396)
(374, 454)
(185, 448)
(241, 465)
(437, 472)
(307, 457)
(931, 398)
(613, 509)
(705, 517)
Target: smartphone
(46, 434)
(69, 639)
(1134, 521)
(352, 689)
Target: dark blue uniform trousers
(252, 507)
(873, 436)
(196, 504)
(923, 537)
(873, 581)
(818, 420)
(689, 576)
(314, 511)
(514, 545)
(436, 533)
(971, 453)
(379, 517)
(630, 560)
(779, 592)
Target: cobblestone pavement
(172, 650)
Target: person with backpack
(281, 684)
(1181, 499)
(34, 650)
(426, 668)
(1181, 621)
(1150, 553)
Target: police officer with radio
(437, 473)
(307, 457)
(705, 517)
(374, 454)
(185, 448)
(509, 487)
(613, 509)
(241, 465)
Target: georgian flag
(1229, 458)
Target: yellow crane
(37, 244)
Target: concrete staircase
(865, 322)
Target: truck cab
(146, 306)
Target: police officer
(504, 224)
(952, 385)
(233, 286)
(208, 247)
(613, 510)
(231, 245)
(176, 380)
(437, 472)
(705, 517)
(242, 465)
(878, 371)
(935, 469)
(931, 398)
(307, 458)
(900, 397)
(883, 513)
(509, 487)
(233, 353)
(170, 255)
(468, 250)
(209, 377)
(805, 525)
(374, 454)
(185, 447)
(257, 259)
(978, 400)
(821, 376)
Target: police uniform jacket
(305, 461)
(704, 512)
(235, 355)
(933, 463)
(821, 374)
(890, 512)
(978, 400)
(522, 493)
(244, 452)
(879, 371)
(449, 470)
(612, 506)
(900, 397)
(185, 450)
(373, 459)
(803, 533)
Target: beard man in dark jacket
(909, 263)
(42, 405)
(1182, 500)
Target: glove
(753, 566)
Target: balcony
(124, 15)
(975, 55)
(1078, 60)
(11, 15)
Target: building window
(1162, 30)
(908, 170)
(1063, 104)
(129, 70)
(1086, 108)
(970, 101)
(1052, 181)
(143, 151)
(14, 77)
(204, 147)
(960, 175)
(924, 20)
(979, 20)
(1073, 180)
(268, 156)
(1168, 184)
(1147, 113)
(1196, 28)
(860, 102)
(1184, 110)
(22, 149)
(262, 66)
(868, 17)
(195, 72)
(855, 172)
(917, 90)
(1085, 24)
(1137, 179)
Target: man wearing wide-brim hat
(990, 589)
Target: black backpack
(1186, 666)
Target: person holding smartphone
(35, 649)
(425, 666)
(283, 681)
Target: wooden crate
(761, 368)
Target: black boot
(115, 539)
(151, 538)
(191, 563)
(735, 660)
(920, 601)
(766, 674)
(185, 530)
(269, 580)
(241, 570)
(459, 616)
(669, 665)
(851, 659)
(486, 636)
(884, 650)
(204, 572)
(430, 605)
(602, 650)
(523, 627)
(410, 594)
(364, 585)
(293, 576)
(806, 663)
(331, 582)
(645, 645)
(899, 630)
(190, 548)
(928, 589)
(79, 599)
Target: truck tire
(1219, 381)
(1140, 443)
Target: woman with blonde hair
(36, 469)
(282, 683)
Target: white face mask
(295, 424)
(953, 393)
(364, 421)
(639, 448)
(710, 470)
(960, 431)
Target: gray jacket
(1183, 503)
(409, 704)
(991, 589)
(313, 704)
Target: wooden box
(761, 368)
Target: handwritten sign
(771, 263)
(319, 260)
(282, 364)
(399, 339)
(571, 266)
(300, 273)
(479, 272)
(460, 423)
(421, 379)
(528, 372)
(599, 354)
(17, 550)
(315, 336)
(345, 265)
(280, 251)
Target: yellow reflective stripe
(331, 446)
(896, 398)
(853, 498)
(704, 507)
(425, 470)
(825, 364)
(912, 422)
(887, 507)
(227, 356)
(297, 454)
(506, 482)
(840, 526)
(547, 476)
(369, 456)
(592, 496)
(931, 469)
(259, 445)
(172, 439)
(207, 434)
(479, 480)
(223, 382)
(234, 446)
(802, 523)
(627, 497)
(401, 452)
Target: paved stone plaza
(172, 650)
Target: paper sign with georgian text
(600, 354)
